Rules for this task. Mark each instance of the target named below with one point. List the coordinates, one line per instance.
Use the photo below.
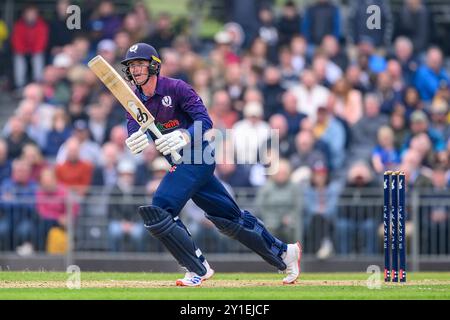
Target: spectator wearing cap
(250, 133)
(419, 123)
(320, 212)
(123, 205)
(320, 19)
(224, 49)
(431, 75)
(29, 38)
(74, 172)
(358, 23)
(278, 203)
(89, 150)
(310, 95)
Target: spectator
(162, 36)
(320, 19)
(364, 132)
(221, 112)
(268, 32)
(51, 205)
(159, 167)
(33, 156)
(308, 153)
(56, 88)
(358, 79)
(289, 77)
(413, 21)
(358, 23)
(397, 122)
(439, 118)
(245, 14)
(293, 117)
(26, 111)
(385, 156)
(385, 90)
(123, 205)
(105, 23)
(431, 75)
(395, 72)
(118, 136)
(60, 35)
(18, 220)
(17, 138)
(78, 101)
(105, 173)
(332, 49)
(235, 175)
(320, 205)
(331, 131)
(289, 22)
(58, 134)
(34, 92)
(29, 38)
(133, 27)
(411, 101)
(171, 67)
(348, 103)
(286, 143)
(89, 150)
(258, 53)
(420, 124)
(299, 47)
(404, 55)
(327, 72)
(417, 176)
(74, 172)
(201, 83)
(5, 164)
(272, 91)
(278, 203)
(357, 225)
(310, 95)
(99, 124)
(250, 133)
(4, 34)
(107, 48)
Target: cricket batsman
(176, 106)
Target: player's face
(139, 70)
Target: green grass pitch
(224, 286)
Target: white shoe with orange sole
(191, 279)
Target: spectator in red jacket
(29, 40)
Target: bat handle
(175, 155)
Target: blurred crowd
(348, 104)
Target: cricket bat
(123, 93)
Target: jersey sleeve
(132, 125)
(192, 104)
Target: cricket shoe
(191, 279)
(292, 261)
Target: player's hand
(137, 142)
(172, 141)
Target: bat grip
(175, 155)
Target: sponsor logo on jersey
(171, 124)
(167, 101)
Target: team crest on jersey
(167, 101)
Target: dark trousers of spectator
(44, 226)
(317, 228)
(17, 226)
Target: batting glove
(172, 141)
(137, 142)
